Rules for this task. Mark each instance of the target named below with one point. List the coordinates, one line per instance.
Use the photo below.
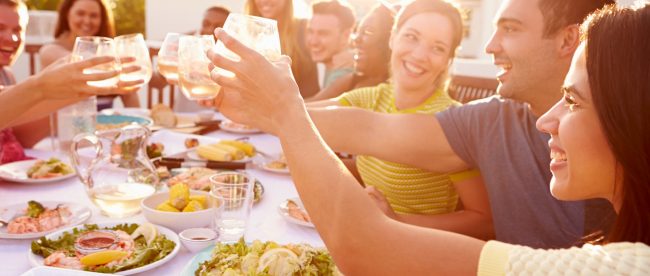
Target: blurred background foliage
(129, 15)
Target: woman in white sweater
(600, 148)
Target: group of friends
(550, 176)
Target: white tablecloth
(265, 222)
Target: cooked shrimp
(59, 259)
(22, 225)
(297, 212)
(52, 219)
(125, 242)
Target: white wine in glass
(86, 47)
(168, 58)
(258, 33)
(193, 67)
(133, 45)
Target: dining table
(265, 222)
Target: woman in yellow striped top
(423, 43)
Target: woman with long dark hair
(600, 147)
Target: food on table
(191, 143)
(181, 201)
(48, 169)
(163, 172)
(267, 258)
(155, 150)
(108, 126)
(237, 126)
(279, 164)
(226, 150)
(297, 212)
(109, 250)
(196, 178)
(38, 219)
(163, 115)
(10, 148)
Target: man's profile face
(13, 22)
(325, 38)
(211, 21)
(526, 57)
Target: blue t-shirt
(499, 138)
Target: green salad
(124, 253)
(267, 258)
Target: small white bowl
(196, 239)
(205, 115)
(177, 221)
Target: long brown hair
(617, 43)
(288, 27)
(444, 8)
(106, 26)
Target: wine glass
(257, 33)
(86, 47)
(133, 45)
(168, 58)
(193, 67)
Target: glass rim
(250, 180)
(257, 18)
(93, 39)
(129, 36)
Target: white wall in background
(180, 16)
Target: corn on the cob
(245, 147)
(213, 153)
(235, 152)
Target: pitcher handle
(84, 173)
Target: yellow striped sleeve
(464, 175)
(494, 258)
(361, 97)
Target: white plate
(193, 264)
(79, 212)
(36, 260)
(55, 271)
(284, 212)
(265, 167)
(192, 154)
(236, 128)
(17, 172)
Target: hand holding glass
(86, 47)
(133, 45)
(257, 33)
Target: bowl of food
(179, 208)
(196, 239)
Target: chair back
(466, 89)
(158, 86)
(32, 51)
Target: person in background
(600, 147)
(55, 87)
(424, 41)
(214, 17)
(328, 38)
(292, 40)
(371, 54)
(83, 18)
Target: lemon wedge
(278, 261)
(102, 257)
(147, 230)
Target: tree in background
(129, 14)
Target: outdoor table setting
(268, 220)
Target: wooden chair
(159, 84)
(32, 51)
(466, 89)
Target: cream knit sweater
(612, 259)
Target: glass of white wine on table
(193, 67)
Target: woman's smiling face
(85, 18)
(421, 51)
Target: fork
(6, 217)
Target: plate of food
(261, 258)
(293, 211)
(124, 249)
(36, 171)
(198, 178)
(224, 150)
(106, 122)
(233, 127)
(276, 165)
(34, 219)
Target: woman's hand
(262, 94)
(64, 80)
